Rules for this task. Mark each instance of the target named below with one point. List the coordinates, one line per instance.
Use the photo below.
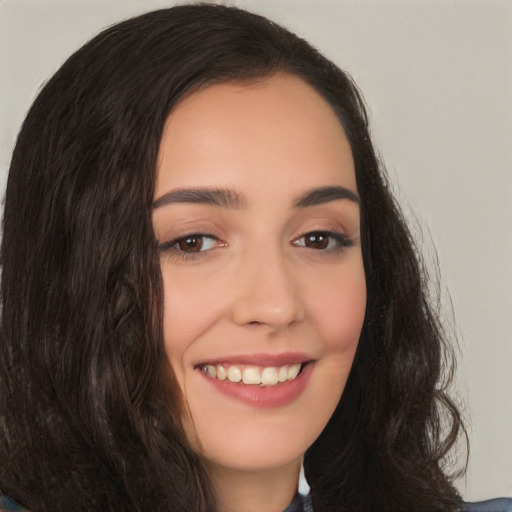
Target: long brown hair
(89, 411)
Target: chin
(244, 438)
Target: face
(257, 218)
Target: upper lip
(260, 359)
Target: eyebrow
(325, 195)
(215, 196)
(228, 198)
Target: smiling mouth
(253, 375)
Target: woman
(206, 282)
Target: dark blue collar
(299, 504)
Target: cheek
(337, 305)
(190, 303)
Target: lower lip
(264, 397)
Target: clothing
(303, 504)
(299, 504)
(8, 505)
(495, 505)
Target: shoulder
(494, 505)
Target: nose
(266, 292)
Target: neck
(271, 490)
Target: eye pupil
(317, 241)
(191, 244)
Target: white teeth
(222, 373)
(283, 374)
(293, 371)
(211, 370)
(253, 375)
(234, 374)
(269, 377)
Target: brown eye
(316, 240)
(328, 241)
(190, 244)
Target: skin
(258, 284)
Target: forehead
(270, 125)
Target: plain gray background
(437, 76)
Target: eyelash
(339, 240)
(170, 246)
